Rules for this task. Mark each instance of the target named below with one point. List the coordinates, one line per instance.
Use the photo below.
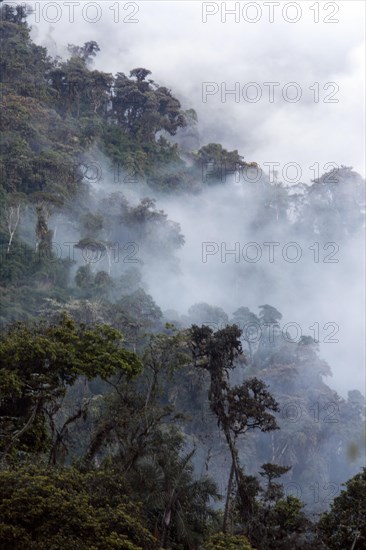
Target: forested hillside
(124, 424)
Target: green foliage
(39, 361)
(178, 502)
(86, 52)
(138, 434)
(52, 111)
(283, 526)
(143, 108)
(344, 525)
(216, 162)
(221, 541)
(63, 508)
(288, 512)
(68, 390)
(141, 306)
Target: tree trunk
(20, 432)
(225, 527)
(12, 223)
(354, 541)
(166, 529)
(237, 472)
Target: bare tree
(12, 220)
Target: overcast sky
(171, 39)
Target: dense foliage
(122, 426)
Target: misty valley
(182, 330)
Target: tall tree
(238, 408)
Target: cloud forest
(181, 330)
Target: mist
(171, 40)
(182, 52)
